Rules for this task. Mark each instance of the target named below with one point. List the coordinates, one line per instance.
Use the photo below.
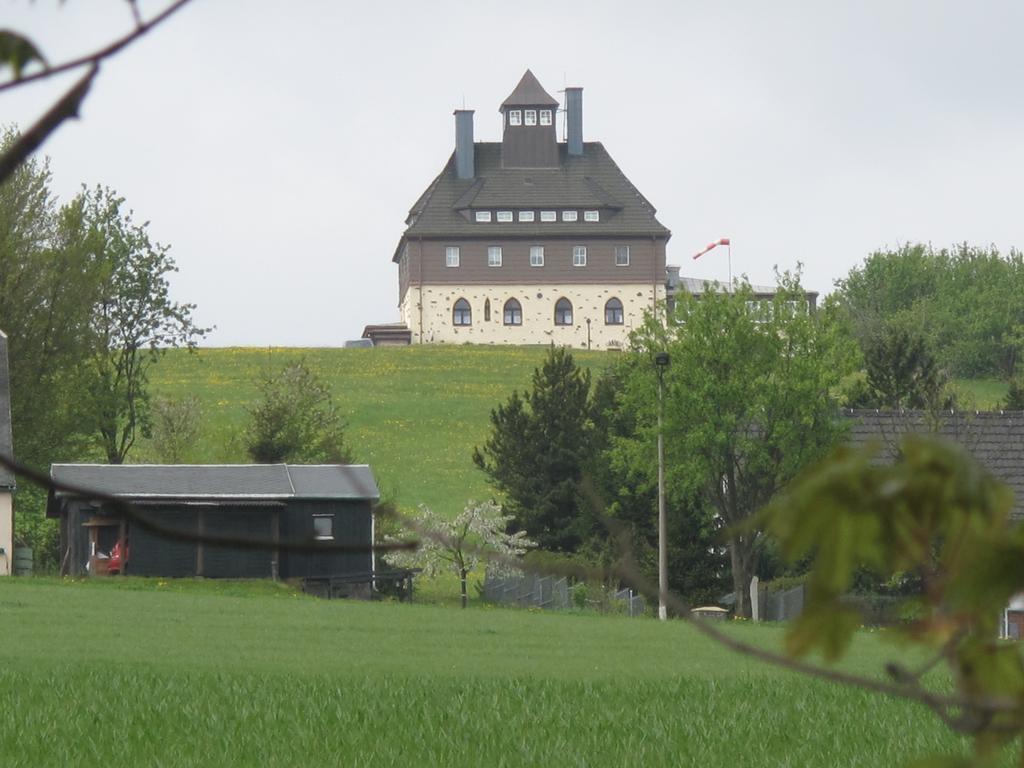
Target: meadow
(414, 413)
(169, 673)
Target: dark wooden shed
(314, 507)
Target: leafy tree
(49, 284)
(296, 420)
(748, 402)
(626, 484)
(134, 321)
(1014, 396)
(174, 427)
(461, 544)
(539, 447)
(902, 373)
(936, 513)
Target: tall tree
(49, 283)
(902, 372)
(296, 420)
(134, 321)
(748, 402)
(539, 446)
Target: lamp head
(661, 359)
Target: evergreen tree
(539, 447)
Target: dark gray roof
(6, 439)
(529, 93)
(223, 481)
(588, 181)
(995, 439)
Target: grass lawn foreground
(151, 672)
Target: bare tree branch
(33, 138)
(103, 53)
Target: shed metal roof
(219, 481)
(994, 438)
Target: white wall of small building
(427, 312)
(6, 533)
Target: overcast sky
(277, 147)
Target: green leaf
(17, 51)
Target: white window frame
(494, 256)
(620, 249)
(526, 215)
(504, 216)
(452, 254)
(323, 536)
(545, 117)
(482, 217)
(570, 215)
(529, 117)
(536, 255)
(591, 215)
(515, 117)
(579, 255)
(549, 216)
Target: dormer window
(531, 116)
(591, 216)
(504, 216)
(515, 117)
(483, 216)
(569, 215)
(526, 215)
(545, 117)
(548, 216)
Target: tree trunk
(465, 599)
(741, 559)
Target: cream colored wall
(6, 533)
(538, 304)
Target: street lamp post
(661, 361)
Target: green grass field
(414, 413)
(168, 673)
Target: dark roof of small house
(6, 439)
(994, 438)
(219, 481)
(529, 93)
(588, 181)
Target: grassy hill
(414, 413)
(187, 672)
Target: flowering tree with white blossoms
(460, 544)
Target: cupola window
(531, 116)
(545, 117)
(515, 117)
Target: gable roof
(588, 181)
(995, 439)
(529, 93)
(6, 440)
(219, 481)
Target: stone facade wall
(431, 321)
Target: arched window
(461, 313)
(513, 313)
(487, 310)
(613, 312)
(563, 312)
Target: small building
(6, 476)
(217, 521)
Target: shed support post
(200, 549)
(122, 538)
(275, 558)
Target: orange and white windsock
(711, 246)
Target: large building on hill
(530, 240)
